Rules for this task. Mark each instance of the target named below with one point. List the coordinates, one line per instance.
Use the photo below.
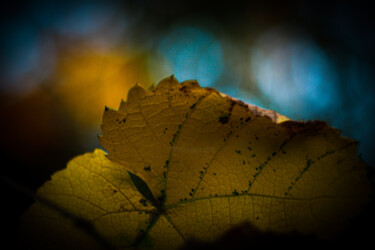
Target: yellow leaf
(89, 204)
(208, 162)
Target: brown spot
(223, 119)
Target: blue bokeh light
(192, 53)
(28, 50)
(298, 79)
(295, 75)
(20, 52)
(358, 121)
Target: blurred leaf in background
(85, 81)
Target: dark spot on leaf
(214, 173)
(243, 161)
(257, 218)
(143, 202)
(184, 88)
(238, 151)
(274, 153)
(223, 119)
(148, 168)
(248, 119)
(235, 192)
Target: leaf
(189, 162)
(83, 201)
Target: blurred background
(61, 62)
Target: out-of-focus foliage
(85, 81)
(187, 162)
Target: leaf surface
(205, 162)
(92, 203)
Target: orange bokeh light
(86, 81)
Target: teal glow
(193, 54)
(295, 75)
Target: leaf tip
(190, 83)
(168, 82)
(136, 93)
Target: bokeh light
(29, 58)
(86, 81)
(294, 74)
(192, 53)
